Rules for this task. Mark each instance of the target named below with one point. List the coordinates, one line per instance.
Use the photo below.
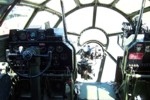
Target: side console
(133, 68)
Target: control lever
(20, 49)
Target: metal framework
(42, 6)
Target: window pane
(109, 20)
(106, 1)
(93, 34)
(74, 40)
(79, 20)
(17, 18)
(43, 17)
(146, 17)
(55, 5)
(129, 6)
(86, 1)
(68, 5)
(115, 51)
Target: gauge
(138, 47)
(41, 36)
(147, 49)
(14, 38)
(13, 35)
(59, 48)
(32, 35)
(22, 36)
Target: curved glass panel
(129, 6)
(68, 5)
(74, 40)
(17, 18)
(86, 1)
(115, 51)
(43, 17)
(106, 1)
(54, 4)
(109, 20)
(79, 20)
(93, 34)
(146, 19)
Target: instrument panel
(45, 41)
(138, 57)
(34, 35)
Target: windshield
(16, 19)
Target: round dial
(41, 36)
(14, 38)
(22, 36)
(32, 35)
(147, 49)
(59, 49)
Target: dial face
(138, 47)
(31, 35)
(147, 49)
(59, 49)
(22, 36)
(41, 36)
(14, 38)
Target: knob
(28, 53)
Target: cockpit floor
(96, 91)
(91, 89)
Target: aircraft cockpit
(74, 49)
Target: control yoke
(29, 55)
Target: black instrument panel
(45, 40)
(34, 35)
(138, 57)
